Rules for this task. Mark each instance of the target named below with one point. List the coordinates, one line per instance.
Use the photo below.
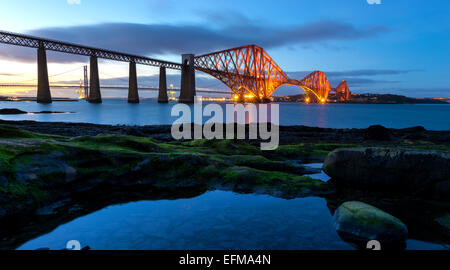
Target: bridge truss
(250, 72)
(65, 47)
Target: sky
(396, 46)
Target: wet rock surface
(288, 134)
(419, 172)
(45, 173)
(420, 215)
(359, 223)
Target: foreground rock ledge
(40, 174)
(416, 172)
(358, 223)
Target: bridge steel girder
(250, 71)
(343, 92)
(65, 47)
(246, 70)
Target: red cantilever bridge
(248, 71)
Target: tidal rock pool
(213, 220)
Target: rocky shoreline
(17, 111)
(409, 137)
(61, 171)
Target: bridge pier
(133, 94)
(94, 86)
(43, 89)
(162, 97)
(187, 91)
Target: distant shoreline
(15, 99)
(356, 99)
(371, 99)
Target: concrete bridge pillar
(133, 94)
(187, 91)
(94, 86)
(43, 90)
(162, 97)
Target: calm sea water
(149, 112)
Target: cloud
(370, 72)
(421, 92)
(355, 78)
(354, 73)
(161, 39)
(355, 82)
(5, 74)
(73, 2)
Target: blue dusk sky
(397, 46)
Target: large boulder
(418, 172)
(359, 223)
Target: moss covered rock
(40, 170)
(358, 223)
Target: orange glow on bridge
(252, 74)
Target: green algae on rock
(40, 170)
(358, 223)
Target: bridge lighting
(255, 71)
(307, 100)
(249, 66)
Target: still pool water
(214, 220)
(149, 112)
